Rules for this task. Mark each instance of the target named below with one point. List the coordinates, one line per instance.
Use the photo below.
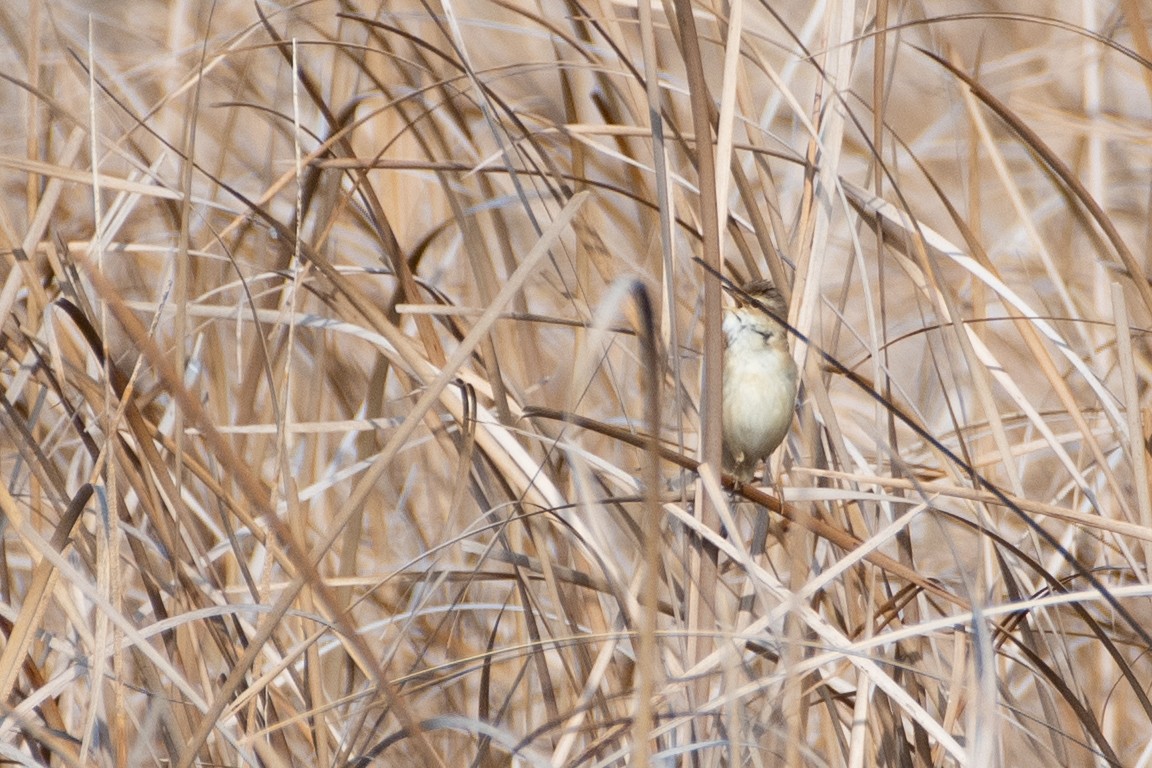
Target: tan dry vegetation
(352, 383)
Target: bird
(759, 382)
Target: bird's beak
(740, 302)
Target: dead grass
(353, 383)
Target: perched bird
(760, 380)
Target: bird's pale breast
(759, 397)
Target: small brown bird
(760, 380)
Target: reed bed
(359, 360)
